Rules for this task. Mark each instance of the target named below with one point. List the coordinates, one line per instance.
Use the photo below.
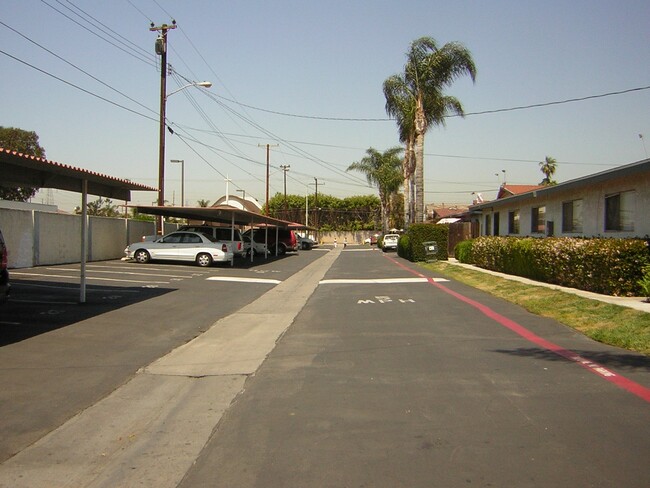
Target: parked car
(223, 234)
(287, 241)
(305, 242)
(259, 247)
(389, 242)
(5, 287)
(181, 246)
(372, 240)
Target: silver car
(181, 246)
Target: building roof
(248, 203)
(625, 170)
(20, 169)
(510, 190)
(224, 214)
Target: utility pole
(285, 168)
(268, 166)
(161, 50)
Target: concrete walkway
(150, 431)
(637, 303)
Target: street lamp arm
(204, 84)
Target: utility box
(430, 250)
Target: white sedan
(181, 246)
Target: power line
(149, 61)
(483, 112)
(559, 102)
(77, 86)
(77, 68)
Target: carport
(23, 170)
(224, 214)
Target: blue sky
(307, 75)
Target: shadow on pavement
(37, 307)
(620, 361)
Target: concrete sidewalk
(637, 303)
(150, 431)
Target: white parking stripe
(243, 280)
(90, 278)
(58, 287)
(129, 273)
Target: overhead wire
(129, 51)
(77, 68)
(76, 86)
(298, 152)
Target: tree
(548, 167)
(203, 203)
(24, 142)
(423, 104)
(400, 104)
(100, 208)
(385, 171)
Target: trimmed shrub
(417, 235)
(403, 246)
(463, 251)
(606, 266)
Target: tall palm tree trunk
(418, 149)
(408, 168)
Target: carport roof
(24, 170)
(224, 214)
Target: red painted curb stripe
(620, 381)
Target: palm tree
(548, 167)
(385, 171)
(428, 71)
(203, 203)
(401, 105)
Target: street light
(243, 205)
(182, 161)
(161, 50)
(204, 84)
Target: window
(173, 238)
(191, 239)
(513, 222)
(488, 224)
(538, 220)
(619, 211)
(572, 216)
(496, 224)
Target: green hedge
(463, 251)
(411, 244)
(606, 266)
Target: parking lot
(77, 353)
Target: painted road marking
(120, 272)
(598, 369)
(88, 278)
(384, 299)
(378, 281)
(73, 288)
(237, 279)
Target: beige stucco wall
(593, 209)
(37, 238)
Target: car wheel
(141, 256)
(282, 249)
(204, 260)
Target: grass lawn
(610, 324)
